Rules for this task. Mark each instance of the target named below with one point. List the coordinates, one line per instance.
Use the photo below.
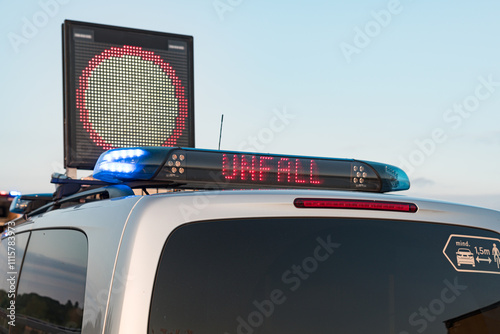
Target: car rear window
(322, 275)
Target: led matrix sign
(125, 88)
(265, 170)
(240, 167)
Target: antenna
(220, 133)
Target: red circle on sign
(84, 85)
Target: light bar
(24, 203)
(12, 193)
(197, 168)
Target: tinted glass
(52, 283)
(12, 250)
(323, 275)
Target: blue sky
(412, 83)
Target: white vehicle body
(126, 238)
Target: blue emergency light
(199, 168)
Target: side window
(12, 249)
(51, 289)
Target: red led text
(267, 169)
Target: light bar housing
(26, 203)
(214, 169)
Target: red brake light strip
(328, 203)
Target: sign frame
(114, 35)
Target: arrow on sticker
(484, 260)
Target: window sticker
(468, 253)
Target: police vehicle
(244, 243)
(6, 198)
